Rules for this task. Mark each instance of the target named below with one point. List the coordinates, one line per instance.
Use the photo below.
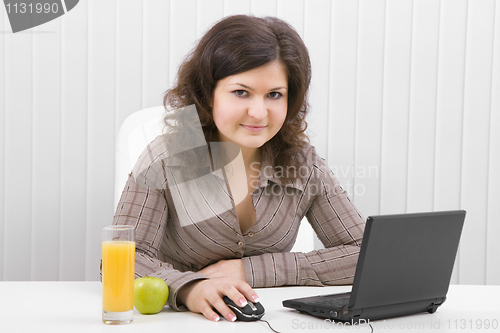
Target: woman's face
(249, 108)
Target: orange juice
(118, 265)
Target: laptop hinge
(434, 305)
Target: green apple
(150, 294)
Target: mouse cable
(272, 329)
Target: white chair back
(138, 129)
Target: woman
(248, 78)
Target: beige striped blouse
(174, 250)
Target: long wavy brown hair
(234, 45)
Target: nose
(257, 109)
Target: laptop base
(355, 316)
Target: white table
(76, 307)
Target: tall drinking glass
(118, 265)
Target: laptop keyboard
(336, 302)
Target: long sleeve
(339, 226)
(147, 210)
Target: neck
(251, 155)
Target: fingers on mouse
(249, 312)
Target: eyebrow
(252, 89)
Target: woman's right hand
(204, 295)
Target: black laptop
(404, 267)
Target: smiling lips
(254, 128)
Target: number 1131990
(30, 8)
(472, 324)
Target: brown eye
(275, 95)
(240, 93)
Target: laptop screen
(406, 257)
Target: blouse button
(250, 234)
(239, 254)
(240, 244)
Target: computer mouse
(250, 312)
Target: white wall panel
(292, 11)
(263, 8)
(369, 104)
(3, 26)
(18, 134)
(129, 58)
(46, 167)
(208, 13)
(182, 33)
(318, 18)
(74, 136)
(237, 7)
(397, 65)
(342, 92)
(475, 154)
(449, 112)
(155, 51)
(493, 227)
(422, 112)
(101, 115)
(405, 107)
